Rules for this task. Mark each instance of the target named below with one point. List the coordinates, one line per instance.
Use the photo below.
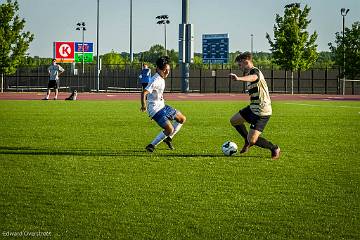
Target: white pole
(343, 39)
(292, 82)
(2, 82)
(83, 50)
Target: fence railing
(125, 78)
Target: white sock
(159, 138)
(177, 127)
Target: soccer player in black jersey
(258, 112)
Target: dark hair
(54, 59)
(162, 61)
(243, 56)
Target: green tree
(35, 61)
(325, 60)
(154, 53)
(198, 62)
(351, 42)
(174, 59)
(113, 59)
(157, 51)
(13, 41)
(263, 60)
(293, 48)
(232, 56)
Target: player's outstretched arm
(144, 93)
(233, 76)
(248, 78)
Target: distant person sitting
(73, 96)
(55, 71)
(145, 76)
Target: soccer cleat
(45, 99)
(150, 148)
(275, 154)
(245, 148)
(168, 141)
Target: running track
(178, 96)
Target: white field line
(315, 105)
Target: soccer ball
(229, 148)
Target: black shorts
(256, 122)
(53, 84)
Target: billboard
(88, 57)
(215, 48)
(73, 51)
(64, 51)
(88, 51)
(88, 47)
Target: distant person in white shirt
(145, 76)
(152, 101)
(55, 71)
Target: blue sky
(52, 20)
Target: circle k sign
(64, 50)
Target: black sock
(242, 130)
(263, 143)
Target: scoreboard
(215, 48)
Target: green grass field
(79, 170)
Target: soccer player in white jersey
(152, 101)
(258, 112)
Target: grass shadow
(5, 150)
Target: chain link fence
(124, 78)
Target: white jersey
(155, 99)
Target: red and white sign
(64, 51)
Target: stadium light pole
(185, 64)
(97, 49)
(81, 27)
(344, 12)
(164, 20)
